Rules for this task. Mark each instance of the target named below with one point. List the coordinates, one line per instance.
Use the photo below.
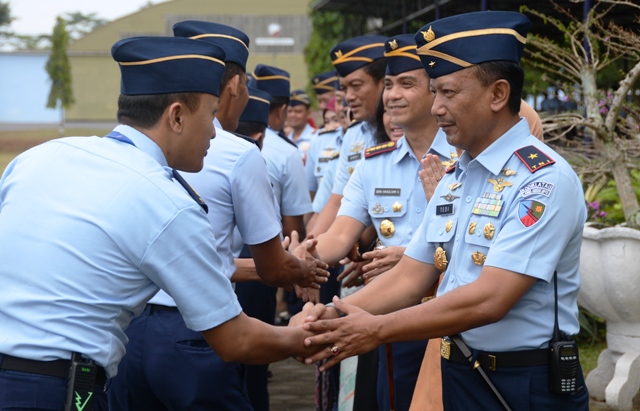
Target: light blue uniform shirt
(537, 219)
(286, 172)
(323, 149)
(235, 185)
(90, 228)
(357, 138)
(387, 179)
(326, 185)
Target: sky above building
(33, 17)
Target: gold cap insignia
(488, 231)
(315, 80)
(397, 207)
(428, 35)
(393, 44)
(387, 229)
(440, 259)
(478, 258)
(472, 228)
(338, 54)
(433, 63)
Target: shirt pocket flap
(441, 229)
(388, 207)
(482, 231)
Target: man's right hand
(314, 271)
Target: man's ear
(175, 114)
(234, 86)
(500, 91)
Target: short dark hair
(249, 128)
(380, 134)
(277, 102)
(231, 69)
(145, 111)
(376, 69)
(493, 71)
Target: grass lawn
(13, 143)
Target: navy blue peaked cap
(326, 82)
(272, 80)
(400, 53)
(357, 52)
(298, 98)
(257, 109)
(233, 41)
(164, 65)
(453, 43)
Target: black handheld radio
(563, 356)
(82, 380)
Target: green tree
(59, 70)
(79, 24)
(5, 20)
(329, 29)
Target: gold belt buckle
(492, 366)
(445, 349)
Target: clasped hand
(315, 272)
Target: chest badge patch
(489, 204)
(537, 187)
(488, 231)
(530, 212)
(377, 209)
(450, 197)
(440, 259)
(478, 258)
(387, 228)
(472, 227)
(508, 172)
(454, 186)
(449, 225)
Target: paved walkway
(292, 386)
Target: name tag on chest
(444, 209)
(354, 157)
(387, 192)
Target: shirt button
(478, 233)
(386, 209)
(441, 232)
(468, 199)
(418, 210)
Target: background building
(278, 29)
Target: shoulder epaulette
(249, 139)
(533, 158)
(379, 149)
(354, 123)
(285, 138)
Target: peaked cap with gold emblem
(400, 53)
(273, 80)
(165, 65)
(457, 42)
(325, 82)
(299, 98)
(357, 52)
(233, 41)
(257, 108)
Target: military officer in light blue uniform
(385, 190)
(324, 85)
(504, 224)
(92, 227)
(298, 114)
(360, 63)
(286, 170)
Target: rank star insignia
(338, 54)
(397, 207)
(488, 231)
(428, 35)
(454, 186)
(532, 156)
(508, 172)
(393, 44)
(499, 184)
(450, 197)
(449, 225)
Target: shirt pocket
(441, 230)
(479, 235)
(388, 216)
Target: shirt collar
(494, 157)
(143, 142)
(441, 146)
(216, 123)
(402, 149)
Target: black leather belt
(493, 360)
(158, 307)
(57, 368)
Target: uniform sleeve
(540, 224)
(295, 192)
(324, 190)
(354, 203)
(253, 200)
(310, 165)
(182, 260)
(342, 174)
(418, 248)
